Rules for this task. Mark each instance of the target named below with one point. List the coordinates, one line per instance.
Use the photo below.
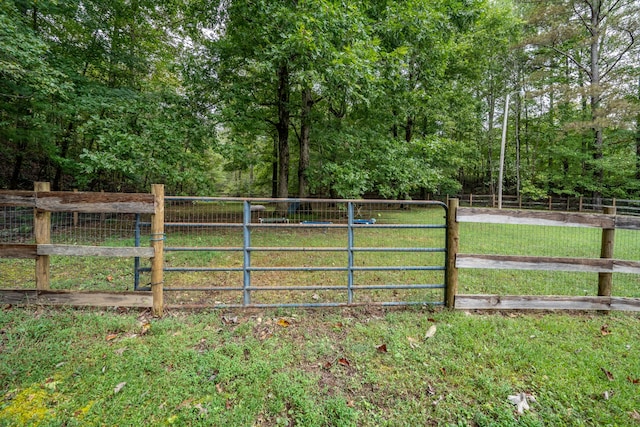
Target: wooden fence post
(42, 231)
(453, 239)
(605, 280)
(157, 243)
(75, 214)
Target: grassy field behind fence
(96, 273)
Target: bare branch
(585, 23)
(622, 54)
(572, 59)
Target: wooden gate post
(42, 232)
(605, 280)
(157, 243)
(453, 239)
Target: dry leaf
(438, 400)
(608, 374)
(284, 323)
(604, 330)
(635, 415)
(228, 320)
(520, 400)
(145, 328)
(201, 408)
(413, 343)
(382, 348)
(109, 278)
(430, 332)
(344, 362)
(430, 390)
(219, 388)
(111, 337)
(633, 380)
(120, 351)
(327, 365)
(119, 387)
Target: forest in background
(385, 98)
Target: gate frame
(350, 269)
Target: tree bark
(284, 118)
(305, 131)
(595, 99)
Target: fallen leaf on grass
(413, 343)
(111, 337)
(438, 400)
(604, 330)
(633, 380)
(635, 415)
(109, 278)
(608, 374)
(607, 394)
(201, 408)
(145, 328)
(228, 320)
(430, 332)
(520, 400)
(344, 362)
(382, 348)
(430, 390)
(327, 365)
(219, 388)
(184, 403)
(119, 387)
(284, 323)
(120, 351)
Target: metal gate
(238, 252)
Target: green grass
(62, 367)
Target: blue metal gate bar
(351, 225)
(246, 282)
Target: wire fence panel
(543, 241)
(302, 252)
(70, 273)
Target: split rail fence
(605, 266)
(44, 202)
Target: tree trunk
(284, 118)
(408, 132)
(274, 168)
(64, 149)
(638, 138)
(492, 108)
(595, 100)
(305, 130)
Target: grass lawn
(329, 367)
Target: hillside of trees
(283, 98)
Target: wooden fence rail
(44, 202)
(605, 266)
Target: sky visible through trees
(295, 98)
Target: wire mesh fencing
(544, 241)
(302, 252)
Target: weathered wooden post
(453, 239)
(605, 280)
(42, 232)
(75, 214)
(157, 243)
